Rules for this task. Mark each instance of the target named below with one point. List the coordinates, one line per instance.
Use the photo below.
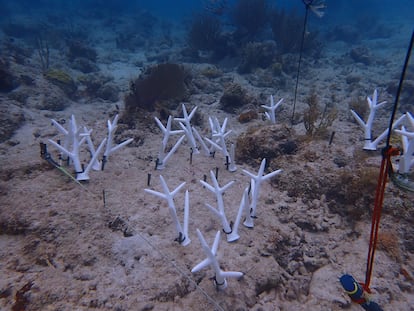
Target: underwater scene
(207, 155)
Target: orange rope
(376, 214)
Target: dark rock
(233, 98)
(85, 65)
(361, 54)
(289, 147)
(13, 226)
(265, 142)
(11, 118)
(54, 100)
(63, 80)
(247, 116)
(108, 92)
(8, 81)
(257, 55)
(346, 33)
(269, 281)
(129, 41)
(340, 161)
(79, 49)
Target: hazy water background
(337, 10)
(396, 16)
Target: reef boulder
(11, 118)
(265, 142)
(234, 97)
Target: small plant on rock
(316, 120)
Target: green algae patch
(62, 79)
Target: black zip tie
(231, 228)
(217, 284)
(181, 238)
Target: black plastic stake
(157, 161)
(149, 180)
(332, 137)
(104, 197)
(103, 162)
(43, 150)
(217, 172)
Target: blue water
(339, 10)
(350, 21)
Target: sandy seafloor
(57, 236)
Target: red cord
(376, 214)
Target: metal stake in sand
(219, 196)
(270, 112)
(109, 142)
(185, 123)
(249, 221)
(256, 184)
(407, 159)
(167, 132)
(169, 197)
(211, 260)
